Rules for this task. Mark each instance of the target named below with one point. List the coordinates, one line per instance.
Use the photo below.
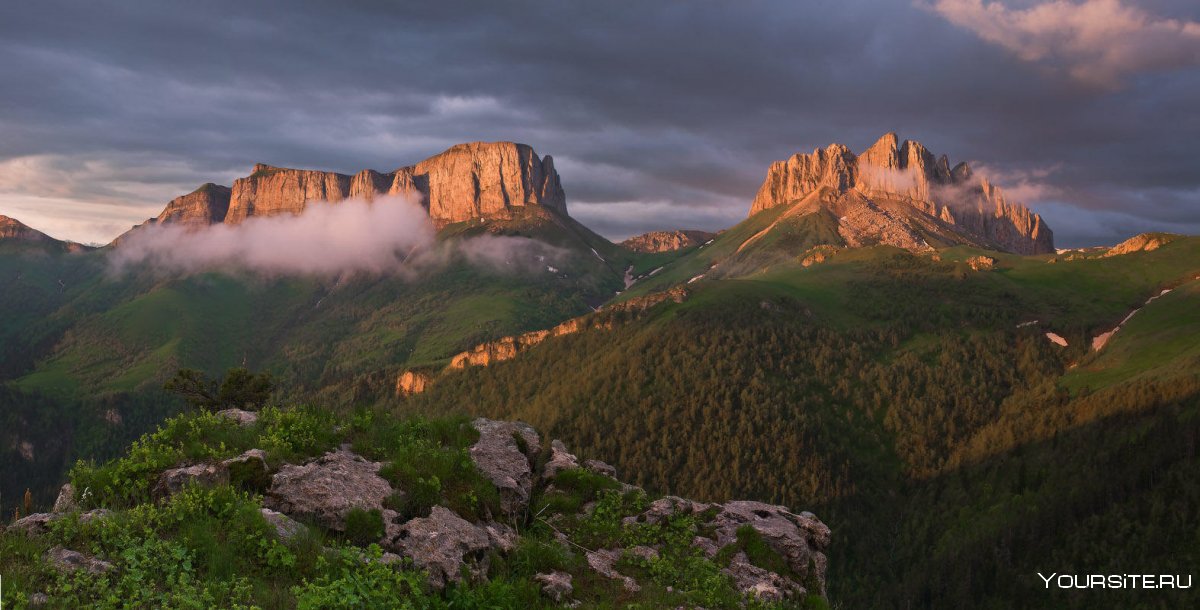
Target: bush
(364, 527)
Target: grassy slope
(992, 497)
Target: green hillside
(952, 446)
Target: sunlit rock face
(891, 172)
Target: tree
(239, 389)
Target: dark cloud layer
(659, 114)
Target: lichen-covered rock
(66, 560)
(555, 585)
(242, 417)
(504, 454)
(800, 540)
(560, 460)
(442, 544)
(601, 468)
(604, 563)
(328, 488)
(756, 582)
(34, 524)
(65, 502)
(173, 481)
(285, 527)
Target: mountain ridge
(908, 173)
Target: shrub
(364, 527)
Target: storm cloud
(659, 115)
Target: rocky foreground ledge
(607, 530)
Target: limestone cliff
(1144, 242)
(666, 241)
(200, 208)
(931, 192)
(467, 181)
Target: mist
(389, 235)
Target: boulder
(66, 560)
(249, 469)
(601, 468)
(604, 562)
(328, 488)
(799, 539)
(173, 481)
(555, 585)
(560, 460)
(243, 418)
(507, 461)
(35, 524)
(442, 544)
(756, 582)
(286, 528)
(65, 502)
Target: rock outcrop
(1145, 242)
(202, 207)
(328, 488)
(66, 560)
(666, 241)
(173, 481)
(441, 544)
(504, 453)
(465, 182)
(951, 201)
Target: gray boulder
(442, 544)
(66, 560)
(243, 418)
(507, 461)
(328, 488)
(173, 481)
(555, 585)
(65, 502)
(286, 528)
(560, 460)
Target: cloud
(389, 235)
(1100, 42)
(327, 239)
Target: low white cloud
(1098, 42)
(389, 235)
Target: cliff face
(206, 205)
(468, 181)
(907, 172)
(666, 241)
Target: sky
(659, 115)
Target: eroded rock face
(465, 182)
(799, 539)
(202, 207)
(1145, 242)
(328, 488)
(173, 481)
(666, 241)
(560, 460)
(441, 544)
(908, 173)
(410, 382)
(981, 263)
(502, 459)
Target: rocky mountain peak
(464, 182)
(907, 172)
(666, 241)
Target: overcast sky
(659, 114)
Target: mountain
(489, 180)
(901, 194)
(15, 230)
(666, 241)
